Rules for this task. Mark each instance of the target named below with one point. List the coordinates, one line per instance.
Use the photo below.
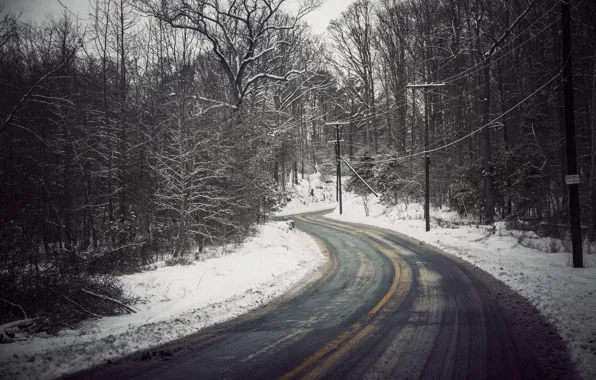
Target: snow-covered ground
(311, 194)
(566, 296)
(177, 301)
(183, 299)
(537, 268)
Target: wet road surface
(387, 307)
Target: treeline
(495, 129)
(163, 127)
(154, 128)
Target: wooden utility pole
(572, 177)
(338, 153)
(338, 161)
(425, 86)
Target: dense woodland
(163, 127)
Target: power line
(447, 109)
(466, 73)
(480, 66)
(476, 130)
(461, 75)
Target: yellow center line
(363, 327)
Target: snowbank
(177, 301)
(566, 296)
(311, 194)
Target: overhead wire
(424, 152)
(460, 76)
(482, 32)
(454, 78)
(442, 102)
(471, 122)
(480, 66)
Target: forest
(164, 127)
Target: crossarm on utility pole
(358, 175)
(334, 123)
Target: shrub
(181, 260)
(60, 297)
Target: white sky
(331, 9)
(38, 9)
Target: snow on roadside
(565, 295)
(311, 194)
(177, 301)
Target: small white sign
(572, 179)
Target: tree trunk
(374, 119)
(401, 102)
(489, 191)
(122, 161)
(314, 145)
(283, 167)
(276, 170)
(413, 126)
(390, 131)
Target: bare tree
(241, 34)
(353, 36)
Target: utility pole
(425, 86)
(338, 161)
(337, 155)
(572, 177)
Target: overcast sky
(37, 10)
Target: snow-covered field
(566, 296)
(177, 301)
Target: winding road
(387, 307)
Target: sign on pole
(572, 179)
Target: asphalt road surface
(387, 307)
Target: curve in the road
(390, 308)
(322, 360)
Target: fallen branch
(20, 323)
(8, 334)
(15, 305)
(79, 306)
(125, 307)
(19, 330)
(201, 279)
